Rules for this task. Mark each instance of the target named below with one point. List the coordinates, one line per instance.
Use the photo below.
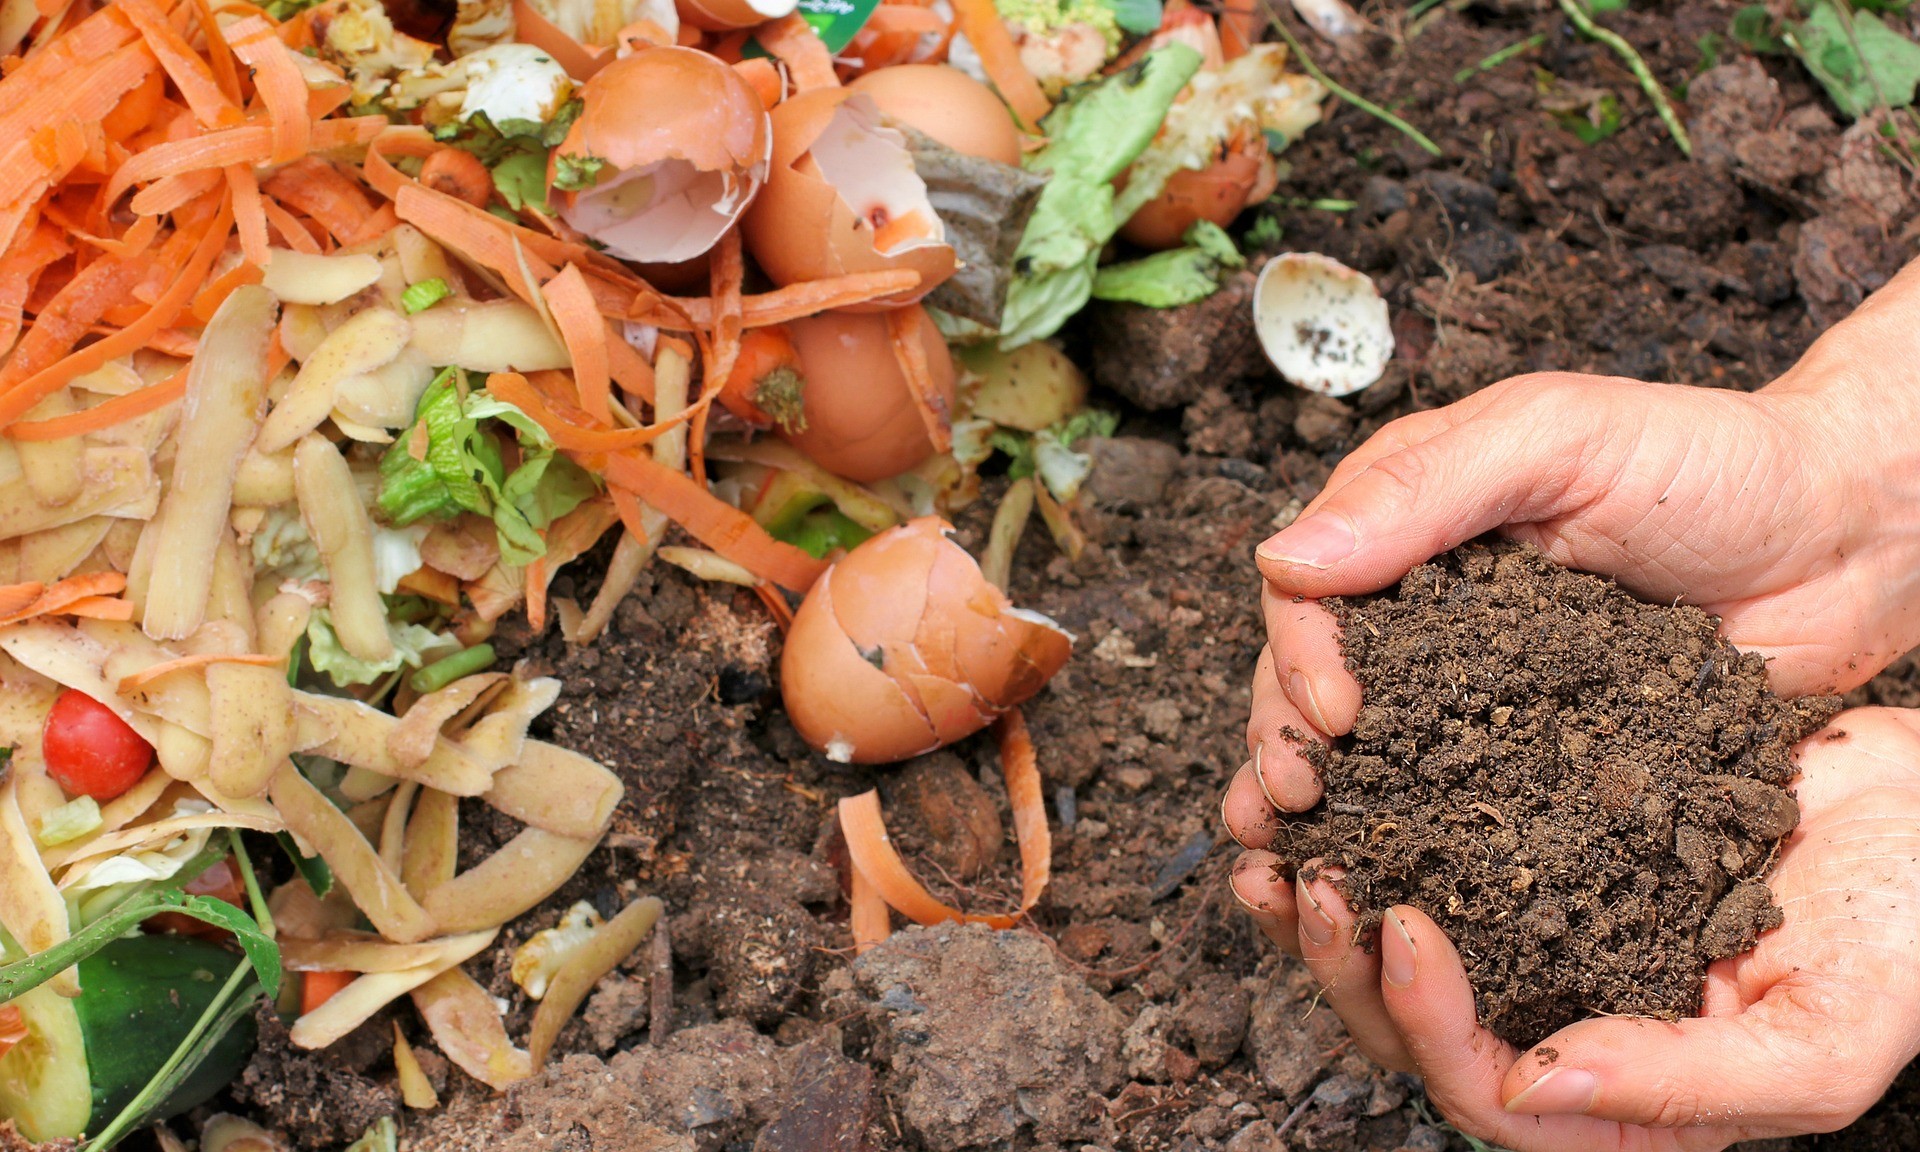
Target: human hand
(1800, 1035)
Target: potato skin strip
(610, 944)
(466, 1026)
(875, 857)
(355, 1004)
(518, 876)
(376, 891)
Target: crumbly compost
(1583, 790)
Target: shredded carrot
(118, 410)
(764, 79)
(793, 42)
(215, 294)
(874, 855)
(320, 190)
(585, 335)
(872, 920)
(67, 317)
(24, 395)
(298, 236)
(383, 220)
(475, 235)
(278, 81)
(219, 51)
(537, 577)
(894, 18)
(794, 302)
(248, 144)
(980, 22)
(903, 331)
(249, 215)
(188, 70)
(134, 681)
(628, 507)
(712, 521)
(763, 351)
(727, 273)
(174, 192)
(459, 174)
(14, 597)
(570, 430)
(100, 608)
(62, 594)
(316, 988)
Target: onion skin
(948, 105)
(799, 228)
(903, 647)
(1219, 192)
(861, 420)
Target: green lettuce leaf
(1175, 277)
(1099, 130)
(324, 652)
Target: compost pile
(1583, 789)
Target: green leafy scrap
(576, 173)
(515, 151)
(1175, 277)
(1140, 17)
(1756, 29)
(1860, 69)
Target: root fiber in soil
(1583, 790)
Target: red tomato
(90, 751)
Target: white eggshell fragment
(1322, 324)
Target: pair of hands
(1794, 515)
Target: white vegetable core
(1322, 324)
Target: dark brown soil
(1582, 789)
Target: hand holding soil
(1788, 514)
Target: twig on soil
(1340, 90)
(1577, 13)
(660, 1006)
(1495, 59)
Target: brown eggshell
(1218, 192)
(800, 228)
(657, 106)
(903, 647)
(948, 105)
(728, 15)
(862, 422)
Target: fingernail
(1316, 542)
(1224, 796)
(1561, 1092)
(1300, 691)
(1397, 954)
(1315, 924)
(1259, 754)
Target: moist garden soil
(1583, 790)
(1139, 1013)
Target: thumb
(1509, 462)
(1773, 1066)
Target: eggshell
(903, 646)
(862, 422)
(1322, 324)
(682, 132)
(948, 105)
(1218, 192)
(727, 15)
(829, 145)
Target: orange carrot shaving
(100, 608)
(794, 302)
(459, 174)
(872, 920)
(903, 330)
(571, 430)
(892, 18)
(215, 294)
(628, 507)
(134, 681)
(727, 273)
(218, 50)
(13, 1028)
(980, 22)
(321, 191)
(63, 594)
(538, 576)
(249, 215)
(433, 584)
(383, 220)
(379, 171)
(14, 597)
(475, 235)
(585, 335)
(280, 85)
(874, 855)
(316, 988)
(249, 144)
(764, 79)
(297, 235)
(43, 84)
(712, 521)
(118, 410)
(174, 192)
(132, 338)
(793, 42)
(777, 606)
(67, 317)
(188, 70)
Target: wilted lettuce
(1174, 277)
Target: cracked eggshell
(948, 105)
(1244, 174)
(842, 197)
(1322, 324)
(728, 15)
(861, 419)
(903, 647)
(686, 145)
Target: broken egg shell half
(729, 15)
(861, 419)
(842, 197)
(903, 647)
(948, 105)
(1244, 174)
(1322, 324)
(686, 145)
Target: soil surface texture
(1582, 789)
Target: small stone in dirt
(1291, 1037)
(1129, 472)
(1211, 1016)
(1322, 421)
(1162, 357)
(618, 1007)
(761, 949)
(1565, 778)
(829, 1105)
(1008, 1042)
(961, 822)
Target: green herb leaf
(1850, 68)
(261, 951)
(317, 873)
(1600, 120)
(424, 295)
(576, 173)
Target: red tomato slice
(90, 751)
